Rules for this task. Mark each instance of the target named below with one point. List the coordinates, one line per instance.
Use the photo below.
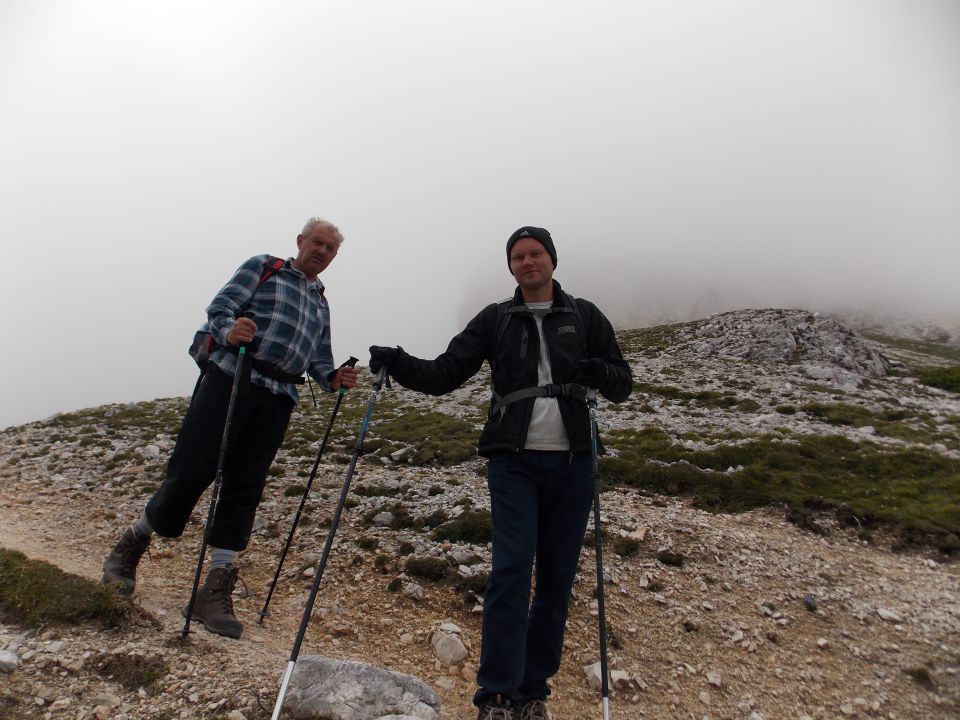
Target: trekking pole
(598, 545)
(215, 491)
(306, 491)
(378, 381)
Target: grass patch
(402, 519)
(943, 378)
(33, 593)
(889, 422)
(368, 542)
(703, 398)
(376, 491)
(132, 671)
(438, 438)
(914, 489)
(626, 546)
(921, 676)
(648, 341)
(427, 568)
(941, 350)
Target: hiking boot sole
(233, 633)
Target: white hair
(325, 224)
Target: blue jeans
(539, 504)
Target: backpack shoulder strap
(271, 266)
(502, 321)
(578, 319)
(576, 309)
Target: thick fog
(688, 157)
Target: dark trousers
(256, 431)
(539, 504)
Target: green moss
(295, 490)
(471, 526)
(33, 592)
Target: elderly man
(544, 348)
(289, 333)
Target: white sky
(689, 157)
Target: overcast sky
(688, 156)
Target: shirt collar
(316, 284)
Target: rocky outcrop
(823, 348)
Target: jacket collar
(559, 297)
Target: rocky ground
(715, 616)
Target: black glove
(380, 356)
(592, 372)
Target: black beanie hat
(541, 235)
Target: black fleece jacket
(513, 358)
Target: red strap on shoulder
(270, 267)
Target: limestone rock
(8, 661)
(347, 690)
(447, 645)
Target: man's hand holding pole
(242, 331)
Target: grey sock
(220, 558)
(142, 527)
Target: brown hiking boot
(535, 710)
(120, 567)
(214, 604)
(497, 708)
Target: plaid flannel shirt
(292, 318)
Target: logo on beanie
(525, 233)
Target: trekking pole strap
(570, 390)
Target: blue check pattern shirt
(292, 318)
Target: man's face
(316, 250)
(530, 264)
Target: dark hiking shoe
(120, 567)
(214, 604)
(496, 708)
(535, 710)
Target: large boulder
(347, 690)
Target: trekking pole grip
(244, 346)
